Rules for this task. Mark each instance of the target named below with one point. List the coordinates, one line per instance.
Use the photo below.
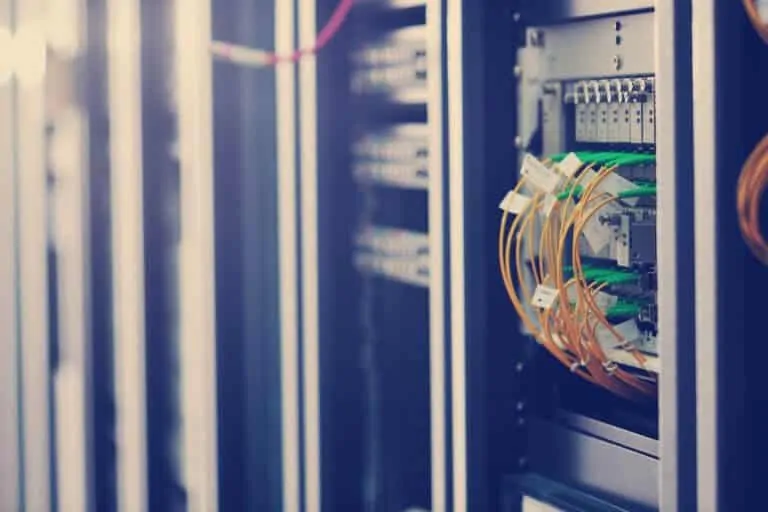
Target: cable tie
(610, 367)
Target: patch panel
(392, 242)
(409, 270)
(397, 156)
(394, 66)
(612, 111)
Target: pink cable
(331, 28)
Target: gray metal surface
(677, 395)
(707, 243)
(590, 48)
(591, 463)
(9, 348)
(610, 433)
(584, 8)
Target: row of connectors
(392, 242)
(633, 123)
(397, 254)
(627, 90)
(413, 271)
(395, 66)
(397, 156)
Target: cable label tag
(544, 297)
(539, 175)
(548, 204)
(614, 185)
(629, 331)
(514, 203)
(570, 165)
(597, 235)
(605, 301)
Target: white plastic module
(395, 67)
(393, 242)
(397, 156)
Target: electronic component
(396, 254)
(612, 111)
(395, 66)
(586, 312)
(397, 156)
(392, 242)
(414, 271)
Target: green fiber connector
(608, 158)
(644, 191)
(623, 311)
(618, 279)
(570, 191)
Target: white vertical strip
(194, 82)
(33, 262)
(288, 252)
(437, 257)
(705, 191)
(72, 376)
(70, 214)
(666, 24)
(310, 256)
(124, 40)
(9, 372)
(455, 48)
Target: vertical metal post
(437, 233)
(124, 40)
(30, 49)
(677, 395)
(455, 86)
(288, 256)
(310, 256)
(197, 254)
(10, 496)
(706, 261)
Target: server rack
(327, 327)
(496, 419)
(575, 449)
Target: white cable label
(629, 331)
(570, 165)
(539, 175)
(605, 300)
(515, 203)
(548, 204)
(597, 235)
(544, 297)
(614, 185)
